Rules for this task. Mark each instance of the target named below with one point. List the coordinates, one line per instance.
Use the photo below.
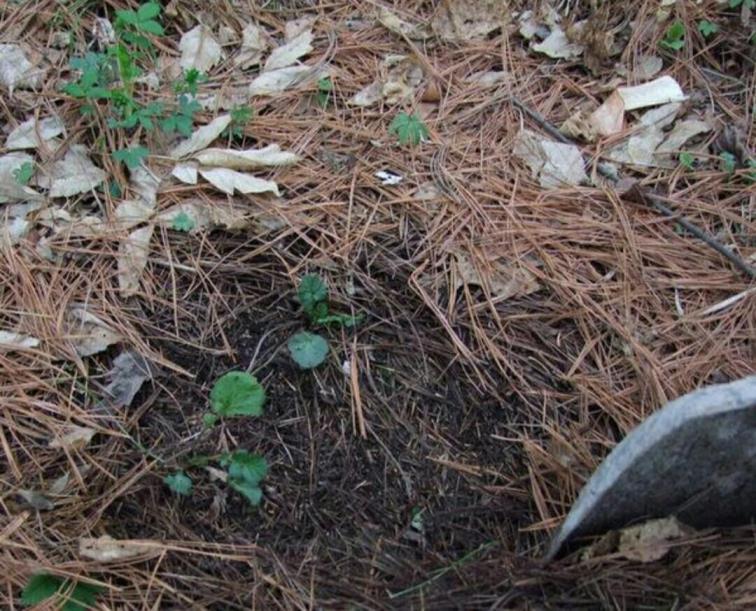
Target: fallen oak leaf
(108, 549)
(75, 438)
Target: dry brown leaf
(502, 280)
(288, 54)
(73, 438)
(463, 20)
(230, 181)
(202, 137)
(36, 499)
(132, 259)
(87, 332)
(17, 70)
(10, 189)
(269, 156)
(206, 215)
(199, 49)
(276, 81)
(558, 46)
(16, 341)
(651, 540)
(32, 133)
(253, 45)
(186, 173)
(73, 174)
(392, 22)
(107, 549)
(554, 163)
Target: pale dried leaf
(186, 173)
(367, 96)
(663, 90)
(87, 332)
(276, 81)
(488, 78)
(10, 189)
(145, 184)
(74, 438)
(609, 118)
(103, 32)
(202, 137)
(13, 231)
(199, 49)
(646, 67)
(16, 70)
(392, 22)
(73, 174)
(464, 20)
(206, 215)
(502, 280)
(132, 259)
(269, 156)
(579, 126)
(129, 372)
(288, 54)
(681, 133)
(253, 46)
(59, 483)
(16, 341)
(130, 213)
(217, 475)
(294, 27)
(230, 181)
(558, 46)
(223, 99)
(107, 549)
(402, 80)
(32, 133)
(554, 163)
(651, 540)
(36, 499)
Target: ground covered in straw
(513, 329)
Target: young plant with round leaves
(68, 596)
(245, 472)
(308, 349)
(179, 483)
(236, 393)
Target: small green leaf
(687, 160)
(179, 483)
(149, 10)
(24, 173)
(82, 597)
(707, 28)
(40, 587)
(127, 17)
(308, 349)
(249, 491)
(209, 420)
(237, 393)
(312, 291)
(245, 472)
(131, 157)
(673, 37)
(345, 320)
(183, 222)
(410, 129)
(152, 27)
(728, 162)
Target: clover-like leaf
(183, 222)
(237, 393)
(308, 349)
(132, 157)
(312, 291)
(410, 129)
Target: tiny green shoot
(728, 162)
(707, 28)
(687, 160)
(410, 129)
(325, 88)
(181, 119)
(674, 37)
(183, 222)
(190, 82)
(179, 483)
(240, 116)
(78, 596)
(131, 157)
(245, 472)
(23, 174)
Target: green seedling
(674, 37)
(181, 119)
(313, 297)
(707, 28)
(687, 160)
(23, 174)
(749, 4)
(69, 596)
(240, 116)
(308, 349)
(190, 82)
(236, 393)
(183, 222)
(245, 472)
(410, 129)
(325, 88)
(131, 157)
(728, 162)
(144, 116)
(179, 483)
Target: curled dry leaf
(393, 23)
(13, 231)
(132, 259)
(73, 174)
(230, 181)
(36, 499)
(88, 333)
(288, 54)
(555, 164)
(294, 27)
(107, 549)
(640, 147)
(186, 173)
(207, 215)
(503, 280)
(130, 213)
(558, 46)
(202, 137)
(254, 44)
(276, 81)
(199, 49)
(73, 438)
(269, 156)
(489, 78)
(16, 341)
(16, 70)
(32, 133)
(129, 372)
(400, 77)
(463, 20)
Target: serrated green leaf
(23, 174)
(179, 483)
(312, 291)
(40, 587)
(82, 597)
(707, 28)
(131, 157)
(183, 222)
(237, 393)
(149, 10)
(245, 472)
(308, 349)
(151, 27)
(127, 17)
(249, 491)
(728, 162)
(410, 129)
(687, 160)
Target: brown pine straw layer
(488, 415)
